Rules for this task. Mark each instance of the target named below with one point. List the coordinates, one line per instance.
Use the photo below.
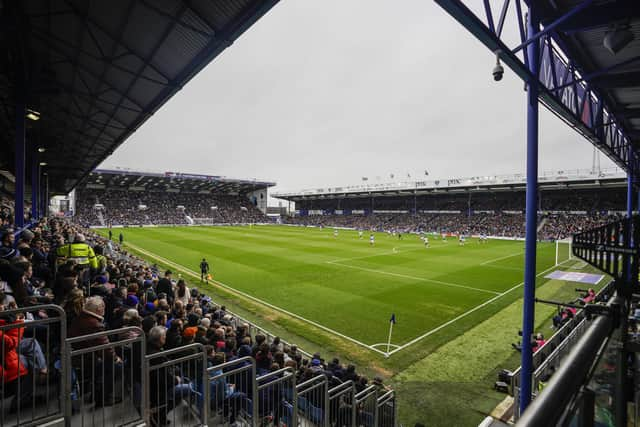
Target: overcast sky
(321, 93)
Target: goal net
(563, 251)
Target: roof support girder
(577, 103)
(597, 16)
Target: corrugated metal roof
(97, 70)
(582, 38)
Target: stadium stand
(494, 206)
(138, 198)
(119, 325)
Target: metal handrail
(550, 405)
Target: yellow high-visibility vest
(81, 253)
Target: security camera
(498, 70)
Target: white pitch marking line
(465, 314)
(258, 300)
(502, 267)
(501, 258)
(393, 252)
(385, 344)
(455, 285)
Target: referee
(204, 271)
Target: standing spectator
(182, 293)
(166, 287)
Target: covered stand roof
(592, 87)
(97, 70)
(614, 75)
(187, 182)
(555, 180)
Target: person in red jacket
(13, 372)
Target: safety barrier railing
(569, 397)
(173, 377)
(276, 397)
(107, 378)
(313, 401)
(238, 321)
(31, 389)
(553, 343)
(387, 410)
(104, 381)
(548, 366)
(232, 389)
(367, 407)
(342, 408)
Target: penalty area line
(423, 279)
(466, 313)
(501, 258)
(252, 298)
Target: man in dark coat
(99, 367)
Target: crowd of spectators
(589, 200)
(114, 290)
(552, 226)
(123, 207)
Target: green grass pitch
(345, 284)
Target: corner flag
(392, 322)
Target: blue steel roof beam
(599, 16)
(548, 29)
(604, 75)
(609, 144)
(503, 15)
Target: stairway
(100, 218)
(541, 224)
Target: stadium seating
(555, 226)
(122, 207)
(116, 345)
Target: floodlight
(617, 39)
(33, 115)
(41, 149)
(43, 163)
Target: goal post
(563, 251)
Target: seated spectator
(13, 371)
(104, 365)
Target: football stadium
(151, 296)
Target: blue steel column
(630, 193)
(19, 163)
(35, 187)
(533, 53)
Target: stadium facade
(571, 191)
